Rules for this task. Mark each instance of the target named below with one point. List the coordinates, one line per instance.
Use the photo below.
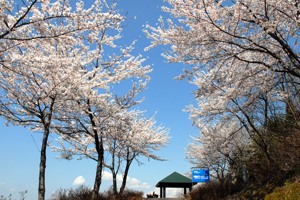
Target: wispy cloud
(79, 180)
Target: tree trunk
(100, 152)
(128, 163)
(114, 171)
(114, 175)
(42, 188)
(97, 182)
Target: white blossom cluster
(244, 57)
(58, 63)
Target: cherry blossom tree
(33, 94)
(141, 138)
(89, 114)
(244, 58)
(52, 57)
(223, 148)
(123, 137)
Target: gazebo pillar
(162, 192)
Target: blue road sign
(200, 175)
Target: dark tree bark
(42, 187)
(98, 178)
(129, 160)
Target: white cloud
(79, 180)
(106, 176)
(174, 192)
(132, 183)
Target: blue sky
(19, 155)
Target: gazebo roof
(175, 180)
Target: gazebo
(174, 180)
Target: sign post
(200, 175)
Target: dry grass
(289, 191)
